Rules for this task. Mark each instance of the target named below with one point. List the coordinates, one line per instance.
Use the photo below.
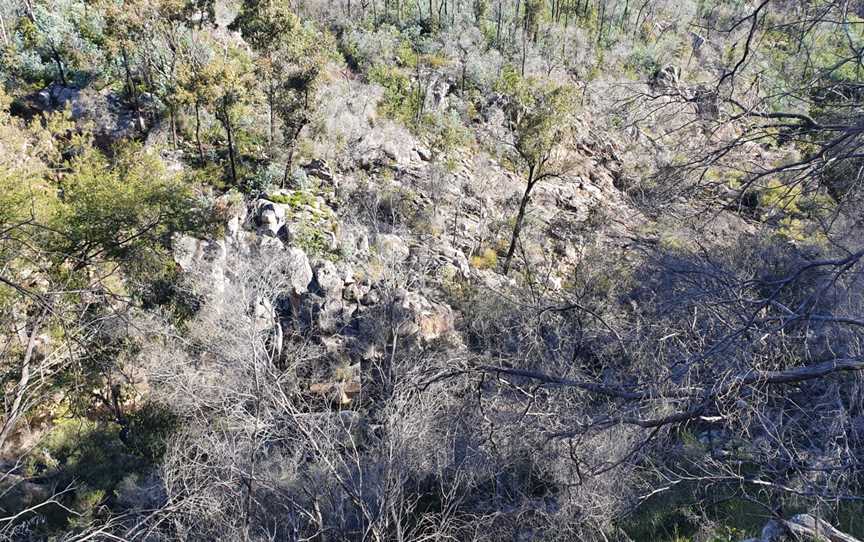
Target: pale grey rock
(328, 279)
(418, 316)
(186, 250)
(107, 113)
(320, 169)
(774, 531)
(391, 248)
(270, 217)
(299, 270)
(387, 144)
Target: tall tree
(291, 57)
(227, 85)
(537, 115)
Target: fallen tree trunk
(801, 528)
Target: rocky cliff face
(372, 248)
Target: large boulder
(319, 169)
(354, 288)
(391, 249)
(342, 390)
(326, 308)
(202, 257)
(263, 314)
(437, 91)
(387, 144)
(419, 317)
(328, 280)
(108, 115)
(269, 218)
(187, 250)
(298, 270)
(666, 78)
(353, 242)
(454, 259)
(232, 211)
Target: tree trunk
(524, 50)
(288, 162)
(17, 408)
(151, 87)
(270, 136)
(271, 99)
(623, 24)
(60, 69)
(3, 31)
(515, 21)
(601, 19)
(498, 28)
(520, 217)
(55, 56)
(198, 132)
(230, 143)
(172, 119)
(639, 16)
(130, 84)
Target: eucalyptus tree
(53, 41)
(80, 237)
(291, 57)
(536, 146)
(218, 74)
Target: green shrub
(148, 429)
(399, 102)
(488, 259)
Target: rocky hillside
(557, 270)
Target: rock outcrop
(418, 317)
(269, 219)
(105, 112)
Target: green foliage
(642, 61)
(670, 517)
(57, 40)
(88, 451)
(89, 454)
(406, 56)
(292, 56)
(86, 504)
(122, 209)
(209, 174)
(265, 23)
(794, 212)
(513, 85)
(777, 196)
(295, 199)
(537, 111)
(487, 259)
(313, 241)
(399, 101)
(445, 133)
(148, 429)
(89, 230)
(80, 227)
